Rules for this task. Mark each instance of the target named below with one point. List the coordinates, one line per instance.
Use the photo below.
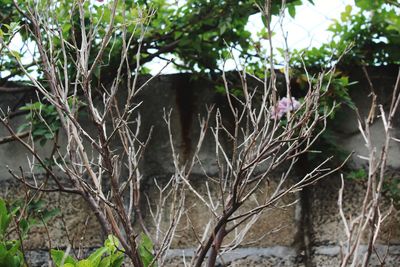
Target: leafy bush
(25, 216)
(10, 250)
(109, 255)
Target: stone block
(75, 225)
(327, 227)
(275, 226)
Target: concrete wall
(310, 231)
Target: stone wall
(310, 231)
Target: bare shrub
(264, 137)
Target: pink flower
(284, 105)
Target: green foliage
(25, 217)
(391, 185)
(43, 121)
(9, 59)
(37, 214)
(334, 89)
(372, 31)
(197, 32)
(357, 175)
(61, 259)
(238, 92)
(391, 188)
(110, 255)
(146, 251)
(5, 218)
(10, 252)
(291, 7)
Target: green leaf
(23, 127)
(48, 136)
(11, 260)
(292, 10)
(58, 256)
(17, 260)
(24, 226)
(118, 261)
(95, 257)
(42, 142)
(33, 106)
(5, 217)
(48, 214)
(111, 243)
(146, 250)
(346, 14)
(39, 131)
(15, 54)
(14, 26)
(85, 263)
(13, 247)
(10, 254)
(114, 260)
(222, 28)
(105, 262)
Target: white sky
(309, 27)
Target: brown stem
(221, 224)
(216, 246)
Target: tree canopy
(369, 33)
(198, 33)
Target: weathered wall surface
(327, 233)
(310, 231)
